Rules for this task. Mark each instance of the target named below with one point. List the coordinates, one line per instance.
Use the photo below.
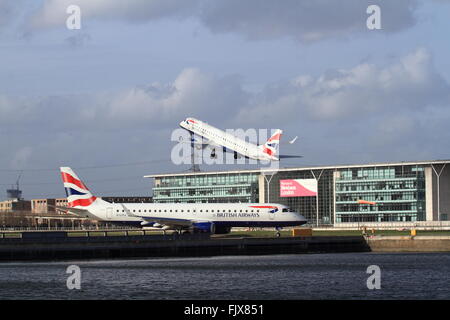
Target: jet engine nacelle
(152, 224)
(204, 227)
(147, 224)
(210, 227)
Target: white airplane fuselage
(223, 139)
(221, 215)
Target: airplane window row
(171, 211)
(226, 140)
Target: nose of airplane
(300, 217)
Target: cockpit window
(285, 210)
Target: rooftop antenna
(18, 179)
(195, 167)
(15, 193)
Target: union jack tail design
(271, 146)
(78, 195)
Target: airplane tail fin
(271, 145)
(78, 195)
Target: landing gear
(278, 233)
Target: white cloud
(53, 12)
(303, 20)
(364, 90)
(365, 113)
(191, 93)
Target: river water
(302, 276)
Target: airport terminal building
(377, 192)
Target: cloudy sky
(106, 98)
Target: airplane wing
(194, 140)
(170, 222)
(201, 143)
(173, 223)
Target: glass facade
(369, 193)
(236, 187)
(390, 194)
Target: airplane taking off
(219, 139)
(216, 218)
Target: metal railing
(67, 228)
(423, 225)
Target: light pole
(438, 175)
(317, 195)
(268, 184)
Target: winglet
(293, 140)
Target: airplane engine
(210, 227)
(147, 224)
(204, 227)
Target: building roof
(262, 170)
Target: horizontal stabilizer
(69, 210)
(285, 156)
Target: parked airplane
(219, 139)
(197, 217)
